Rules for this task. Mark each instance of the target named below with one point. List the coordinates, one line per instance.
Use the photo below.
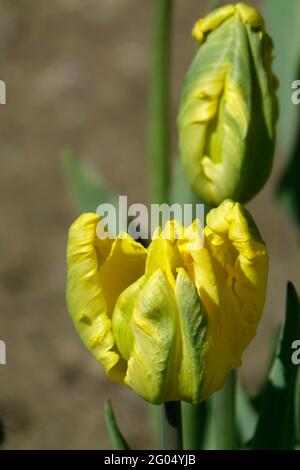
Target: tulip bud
(228, 108)
(172, 320)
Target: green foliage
(88, 189)
(282, 19)
(277, 424)
(289, 188)
(117, 440)
(246, 416)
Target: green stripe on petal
(152, 369)
(192, 320)
(168, 357)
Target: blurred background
(76, 73)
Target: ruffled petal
(98, 270)
(231, 276)
(163, 252)
(124, 265)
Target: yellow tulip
(172, 320)
(228, 108)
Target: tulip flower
(172, 320)
(228, 108)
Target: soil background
(76, 74)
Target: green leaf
(88, 189)
(276, 427)
(246, 416)
(117, 440)
(297, 406)
(282, 19)
(289, 188)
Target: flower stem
(224, 415)
(194, 418)
(171, 425)
(159, 94)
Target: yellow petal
(124, 265)
(122, 318)
(212, 21)
(231, 275)
(163, 252)
(250, 15)
(98, 270)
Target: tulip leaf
(283, 23)
(117, 440)
(298, 411)
(289, 188)
(282, 19)
(276, 427)
(246, 416)
(88, 189)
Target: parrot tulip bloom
(172, 320)
(228, 108)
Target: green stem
(159, 94)
(171, 425)
(224, 415)
(194, 419)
